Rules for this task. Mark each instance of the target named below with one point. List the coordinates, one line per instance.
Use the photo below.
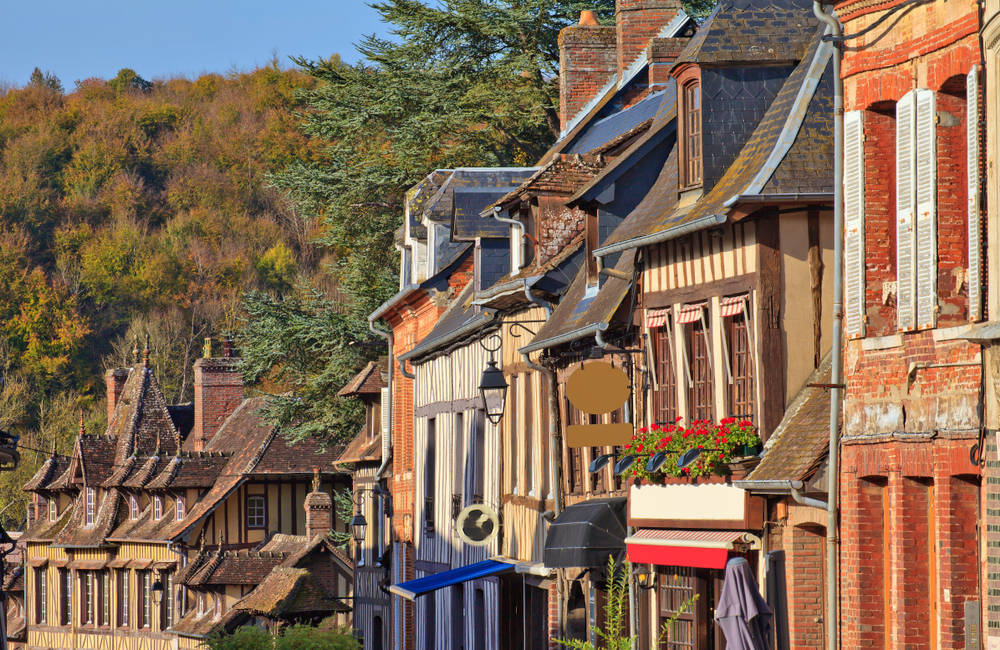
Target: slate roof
(548, 280)
(576, 310)
(800, 442)
(608, 130)
(474, 189)
(655, 214)
(752, 31)
(369, 381)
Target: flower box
(722, 448)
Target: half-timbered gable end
(111, 525)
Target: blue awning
(413, 588)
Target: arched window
(256, 512)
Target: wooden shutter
(905, 181)
(854, 222)
(975, 278)
(386, 424)
(926, 268)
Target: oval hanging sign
(597, 387)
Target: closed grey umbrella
(742, 614)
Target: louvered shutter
(905, 180)
(854, 222)
(386, 424)
(975, 278)
(927, 264)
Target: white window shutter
(385, 410)
(905, 181)
(927, 263)
(975, 278)
(854, 222)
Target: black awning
(585, 534)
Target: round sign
(478, 525)
(597, 387)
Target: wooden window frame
(41, 596)
(737, 357)
(697, 333)
(157, 507)
(430, 472)
(689, 77)
(104, 585)
(179, 507)
(144, 601)
(54, 509)
(133, 507)
(122, 585)
(574, 455)
(253, 522)
(65, 597)
(88, 609)
(91, 497)
(666, 375)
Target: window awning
(38, 561)
(88, 565)
(705, 549)
(690, 313)
(413, 588)
(656, 317)
(586, 533)
(732, 306)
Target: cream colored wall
(797, 335)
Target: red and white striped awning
(656, 317)
(732, 306)
(707, 549)
(690, 313)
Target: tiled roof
(362, 449)
(800, 442)
(282, 543)
(13, 579)
(222, 567)
(576, 310)
(193, 625)
(190, 470)
(141, 420)
(76, 533)
(44, 530)
(655, 214)
(16, 627)
(145, 527)
(564, 174)
(97, 457)
(752, 31)
(50, 471)
(368, 381)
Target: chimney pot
(588, 17)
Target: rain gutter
(662, 236)
(472, 326)
(782, 487)
(836, 372)
(589, 330)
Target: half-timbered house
(117, 522)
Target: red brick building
(912, 408)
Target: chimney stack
(115, 380)
(218, 391)
(661, 54)
(586, 64)
(319, 511)
(636, 23)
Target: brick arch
(952, 62)
(954, 85)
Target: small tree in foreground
(615, 635)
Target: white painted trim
(882, 342)
(951, 333)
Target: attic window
(157, 508)
(180, 508)
(53, 508)
(689, 123)
(133, 508)
(91, 505)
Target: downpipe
(836, 371)
(520, 237)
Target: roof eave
(663, 235)
(589, 330)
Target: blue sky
(76, 39)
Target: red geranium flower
(746, 423)
(668, 439)
(639, 448)
(628, 446)
(654, 427)
(678, 419)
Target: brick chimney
(636, 22)
(115, 380)
(586, 64)
(218, 391)
(661, 53)
(319, 511)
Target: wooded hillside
(130, 207)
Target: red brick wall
(115, 381)
(558, 225)
(804, 548)
(660, 53)
(636, 22)
(952, 205)
(218, 390)
(587, 56)
(880, 217)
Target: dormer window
(157, 508)
(180, 508)
(689, 127)
(53, 508)
(133, 508)
(91, 505)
